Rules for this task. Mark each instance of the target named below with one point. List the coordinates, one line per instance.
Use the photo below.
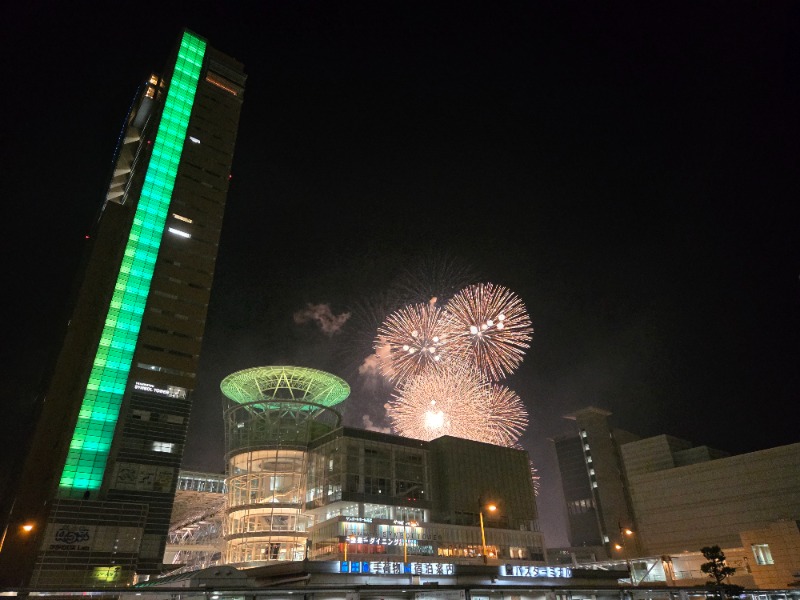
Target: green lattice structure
(260, 385)
(99, 412)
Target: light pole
(622, 547)
(491, 507)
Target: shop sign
(70, 537)
(536, 571)
(396, 568)
(379, 541)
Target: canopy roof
(284, 383)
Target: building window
(163, 447)
(762, 554)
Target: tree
(718, 571)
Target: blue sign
(353, 566)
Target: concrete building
(93, 500)
(593, 482)
(684, 500)
(673, 498)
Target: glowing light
(506, 415)
(88, 451)
(411, 341)
(27, 528)
(437, 403)
(179, 232)
(300, 384)
(535, 479)
(473, 317)
(455, 401)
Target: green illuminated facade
(91, 440)
(260, 385)
(99, 480)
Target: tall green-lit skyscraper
(92, 505)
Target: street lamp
(491, 507)
(621, 546)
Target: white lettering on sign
(396, 568)
(535, 571)
(358, 519)
(172, 391)
(378, 541)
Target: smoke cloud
(370, 426)
(322, 315)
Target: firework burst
(506, 415)
(411, 341)
(432, 275)
(455, 401)
(490, 327)
(446, 402)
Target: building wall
(582, 520)
(600, 445)
(775, 553)
(466, 472)
(709, 503)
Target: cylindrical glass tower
(271, 414)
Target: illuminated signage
(170, 391)
(396, 568)
(110, 573)
(379, 541)
(358, 519)
(534, 571)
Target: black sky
(630, 169)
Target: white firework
(506, 414)
(446, 402)
(411, 341)
(489, 328)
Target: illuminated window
(179, 232)
(163, 447)
(193, 139)
(762, 554)
(182, 218)
(594, 484)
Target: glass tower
(93, 501)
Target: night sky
(629, 169)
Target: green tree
(716, 569)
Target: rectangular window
(163, 447)
(762, 554)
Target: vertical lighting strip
(91, 440)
